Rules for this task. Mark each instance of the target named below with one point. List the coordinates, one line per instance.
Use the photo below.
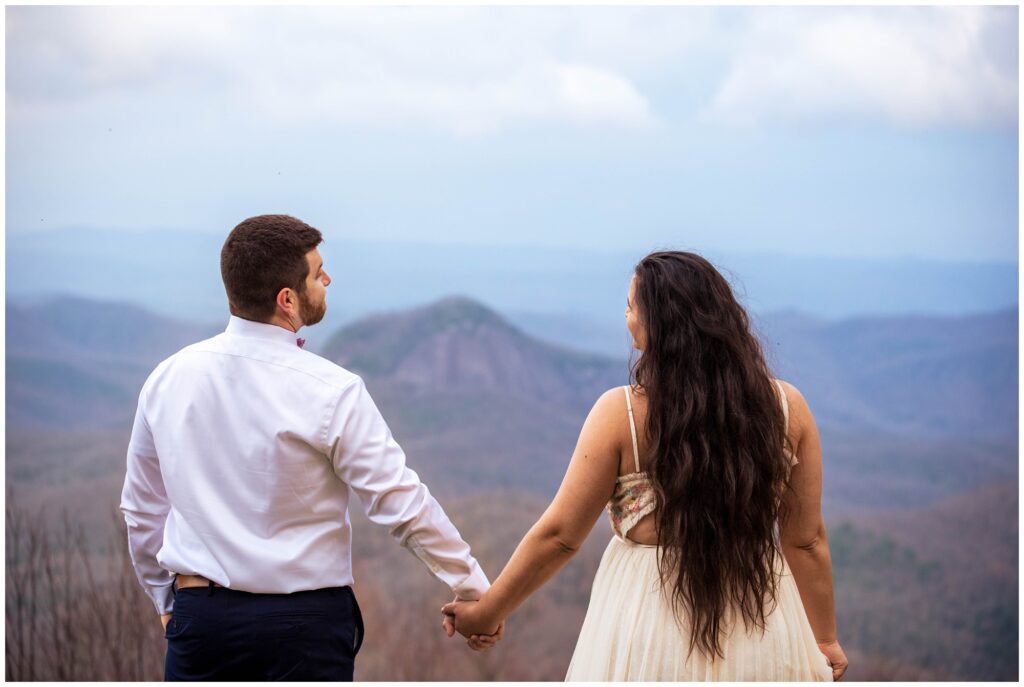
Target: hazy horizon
(177, 274)
(335, 234)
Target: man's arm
(145, 506)
(367, 458)
(559, 533)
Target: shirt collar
(260, 330)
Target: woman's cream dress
(631, 632)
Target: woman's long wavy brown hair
(717, 433)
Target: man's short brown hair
(261, 256)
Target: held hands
(836, 658)
(465, 618)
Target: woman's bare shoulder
(793, 394)
(611, 403)
(799, 410)
(609, 414)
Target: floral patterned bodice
(632, 500)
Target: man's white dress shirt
(243, 454)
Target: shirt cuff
(467, 588)
(162, 597)
(474, 586)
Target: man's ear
(287, 300)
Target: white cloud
(543, 91)
(591, 93)
(461, 70)
(475, 71)
(911, 67)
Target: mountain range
(76, 363)
(907, 376)
(910, 409)
(917, 416)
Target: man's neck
(282, 321)
(277, 320)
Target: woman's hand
(485, 642)
(476, 642)
(468, 618)
(836, 658)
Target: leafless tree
(72, 613)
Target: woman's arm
(803, 536)
(554, 539)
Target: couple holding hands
(246, 449)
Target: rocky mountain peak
(458, 344)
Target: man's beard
(311, 312)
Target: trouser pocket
(357, 618)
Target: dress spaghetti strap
(785, 402)
(793, 460)
(632, 429)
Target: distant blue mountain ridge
(910, 376)
(177, 273)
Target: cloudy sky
(804, 131)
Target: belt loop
(209, 590)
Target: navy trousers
(219, 634)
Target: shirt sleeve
(370, 461)
(145, 506)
